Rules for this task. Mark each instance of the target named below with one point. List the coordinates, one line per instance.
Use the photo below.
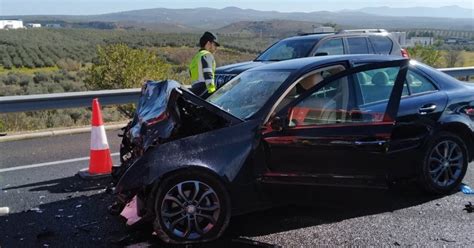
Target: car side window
(382, 44)
(376, 85)
(331, 47)
(328, 105)
(357, 45)
(307, 82)
(339, 101)
(418, 84)
(405, 91)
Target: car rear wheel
(444, 164)
(191, 206)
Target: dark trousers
(200, 89)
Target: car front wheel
(444, 164)
(191, 206)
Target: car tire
(444, 164)
(191, 206)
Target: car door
(325, 137)
(421, 105)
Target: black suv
(360, 41)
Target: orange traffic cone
(100, 163)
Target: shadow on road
(64, 185)
(63, 223)
(326, 205)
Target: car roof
(318, 36)
(294, 64)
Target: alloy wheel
(190, 209)
(445, 163)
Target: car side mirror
(277, 123)
(322, 54)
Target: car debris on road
(4, 211)
(469, 207)
(466, 189)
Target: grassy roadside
(468, 58)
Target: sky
(88, 7)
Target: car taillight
(405, 53)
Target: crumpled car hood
(166, 108)
(167, 112)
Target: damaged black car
(188, 164)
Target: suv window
(287, 49)
(382, 44)
(331, 47)
(357, 45)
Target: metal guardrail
(10, 104)
(459, 71)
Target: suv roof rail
(372, 30)
(303, 34)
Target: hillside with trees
(199, 19)
(36, 48)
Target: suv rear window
(382, 44)
(357, 45)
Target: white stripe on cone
(98, 138)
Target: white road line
(49, 163)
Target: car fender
(223, 151)
(455, 114)
(463, 126)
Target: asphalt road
(50, 206)
(54, 148)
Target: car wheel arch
(157, 181)
(464, 133)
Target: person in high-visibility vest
(203, 66)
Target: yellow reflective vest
(202, 69)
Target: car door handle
(369, 143)
(428, 108)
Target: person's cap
(208, 36)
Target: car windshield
(287, 49)
(245, 94)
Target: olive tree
(453, 58)
(426, 54)
(122, 67)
